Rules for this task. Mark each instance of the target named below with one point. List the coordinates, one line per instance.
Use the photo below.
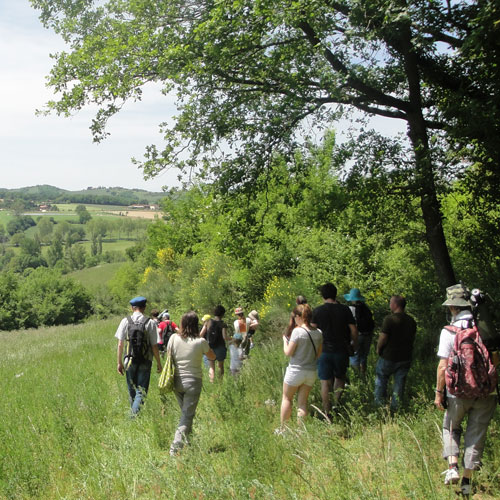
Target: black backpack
(364, 318)
(137, 342)
(214, 333)
(168, 331)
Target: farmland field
(96, 276)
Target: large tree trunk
(429, 203)
(431, 211)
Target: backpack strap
(310, 338)
(452, 329)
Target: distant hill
(99, 195)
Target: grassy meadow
(66, 434)
(96, 276)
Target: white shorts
(295, 377)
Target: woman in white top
(187, 353)
(303, 347)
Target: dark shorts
(332, 365)
(220, 352)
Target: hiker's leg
(142, 377)
(452, 428)
(326, 388)
(398, 387)
(287, 402)
(479, 417)
(365, 342)
(211, 370)
(338, 389)
(302, 397)
(130, 375)
(221, 368)
(341, 363)
(191, 396)
(325, 374)
(382, 374)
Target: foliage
(83, 214)
(41, 297)
(247, 75)
(19, 224)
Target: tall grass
(65, 432)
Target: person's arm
(354, 336)
(319, 350)
(382, 340)
(203, 332)
(224, 334)
(156, 354)
(440, 383)
(119, 358)
(289, 346)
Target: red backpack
(470, 373)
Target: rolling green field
(66, 433)
(96, 276)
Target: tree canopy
(253, 77)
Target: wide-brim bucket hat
(354, 295)
(457, 295)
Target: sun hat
(354, 295)
(457, 295)
(165, 315)
(238, 310)
(138, 301)
(206, 317)
(254, 315)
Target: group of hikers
(322, 343)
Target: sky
(59, 151)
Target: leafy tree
(45, 298)
(83, 214)
(45, 228)
(3, 234)
(55, 253)
(248, 73)
(20, 224)
(8, 299)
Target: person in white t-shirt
(479, 411)
(303, 348)
(137, 372)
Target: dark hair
(399, 300)
(219, 311)
(328, 291)
(189, 325)
(305, 312)
(300, 300)
(155, 313)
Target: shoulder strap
(310, 338)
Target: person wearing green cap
(479, 411)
